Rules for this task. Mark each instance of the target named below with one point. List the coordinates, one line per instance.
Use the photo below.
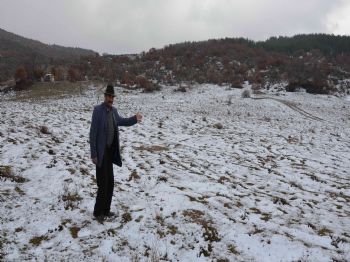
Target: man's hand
(94, 160)
(138, 117)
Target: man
(105, 150)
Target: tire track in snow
(292, 106)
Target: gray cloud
(116, 26)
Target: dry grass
(233, 249)
(324, 232)
(44, 90)
(152, 149)
(223, 179)
(126, 217)
(74, 231)
(194, 214)
(210, 233)
(70, 199)
(7, 174)
(201, 199)
(36, 241)
(19, 191)
(265, 216)
(133, 176)
(172, 229)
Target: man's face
(109, 100)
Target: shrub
(74, 74)
(21, 74)
(181, 88)
(246, 93)
(151, 88)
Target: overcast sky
(132, 26)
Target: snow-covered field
(207, 176)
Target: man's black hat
(109, 90)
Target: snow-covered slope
(206, 176)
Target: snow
(271, 185)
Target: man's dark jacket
(98, 132)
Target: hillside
(16, 50)
(327, 44)
(318, 63)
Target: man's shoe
(100, 218)
(111, 214)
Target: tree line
(316, 62)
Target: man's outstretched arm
(128, 121)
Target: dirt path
(292, 106)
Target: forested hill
(327, 44)
(16, 50)
(317, 62)
(10, 42)
(320, 63)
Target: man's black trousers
(105, 184)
